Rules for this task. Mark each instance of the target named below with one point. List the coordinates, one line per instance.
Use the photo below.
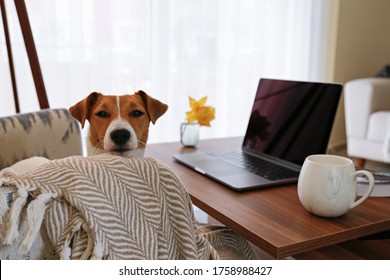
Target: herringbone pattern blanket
(107, 207)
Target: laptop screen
(291, 120)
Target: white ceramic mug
(327, 185)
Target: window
(171, 49)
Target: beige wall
(359, 46)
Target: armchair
(367, 116)
(51, 133)
(101, 207)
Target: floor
(374, 247)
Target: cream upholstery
(367, 116)
(51, 133)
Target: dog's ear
(154, 107)
(81, 110)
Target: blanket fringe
(97, 253)
(66, 250)
(35, 214)
(3, 210)
(11, 222)
(65, 253)
(87, 252)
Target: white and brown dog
(118, 125)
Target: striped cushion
(49, 133)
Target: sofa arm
(49, 133)
(362, 97)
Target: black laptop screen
(291, 120)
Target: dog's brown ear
(154, 107)
(81, 110)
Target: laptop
(289, 121)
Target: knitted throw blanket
(106, 207)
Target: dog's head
(118, 124)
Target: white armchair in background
(367, 116)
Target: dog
(118, 125)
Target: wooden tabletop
(273, 219)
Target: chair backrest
(50, 133)
(31, 52)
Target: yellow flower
(200, 112)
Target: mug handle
(370, 186)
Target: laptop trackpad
(218, 168)
(231, 175)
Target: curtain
(171, 49)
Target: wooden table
(272, 219)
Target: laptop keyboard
(261, 167)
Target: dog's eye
(102, 114)
(137, 113)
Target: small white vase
(189, 134)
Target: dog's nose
(120, 136)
